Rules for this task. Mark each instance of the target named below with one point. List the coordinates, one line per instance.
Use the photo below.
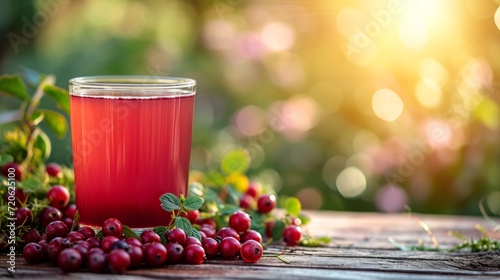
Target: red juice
(127, 152)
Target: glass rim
(131, 86)
(132, 82)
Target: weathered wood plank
(360, 251)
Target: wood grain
(360, 251)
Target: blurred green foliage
(362, 105)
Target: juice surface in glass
(127, 152)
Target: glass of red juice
(131, 140)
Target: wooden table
(360, 250)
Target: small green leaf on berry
(184, 224)
(161, 230)
(170, 202)
(193, 202)
(128, 232)
(195, 233)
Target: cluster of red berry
(116, 253)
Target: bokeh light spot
(387, 105)
(428, 93)
(438, 133)
(391, 198)
(278, 36)
(310, 198)
(250, 120)
(351, 182)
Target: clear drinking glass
(131, 138)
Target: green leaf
(193, 202)
(184, 224)
(14, 86)
(228, 209)
(42, 143)
(211, 195)
(195, 189)
(31, 183)
(161, 230)
(170, 202)
(233, 196)
(215, 178)
(60, 96)
(99, 234)
(56, 122)
(235, 161)
(75, 220)
(10, 116)
(304, 219)
(278, 228)
(37, 117)
(195, 233)
(293, 206)
(4, 159)
(128, 232)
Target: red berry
(251, 251)
(194, 254)
(229, 248)
(75, 236)
(175, 253)
(83, 243)
(192, 240)
(133, 241)
(87, 232)
(211, 247)
(149, 236)
(251, 235)
(228, 232)
(45, 248)
(118, 261)
(253, 189)
(191, 215)
(107, 243)
(291, 235)
(20, 196)
(69, 260)
(83, 250)
(94, 242)
(96, 250)
(30, 236)
(246, 201)
(136, 256)
(269, 229)
(208, 221)
(56, 229)
(69, 211)
(208, 231)
(55, 247)
(96, 262)
(13, 170)
(202, 235)
(53, 169)
(68, 222)
(240, 221)
(266, 203)
(23, 217)
(121, 245)
(155, 254)
(33, 253)
(112, 227)
(177, 235)
(58, 196)
(48, 215)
